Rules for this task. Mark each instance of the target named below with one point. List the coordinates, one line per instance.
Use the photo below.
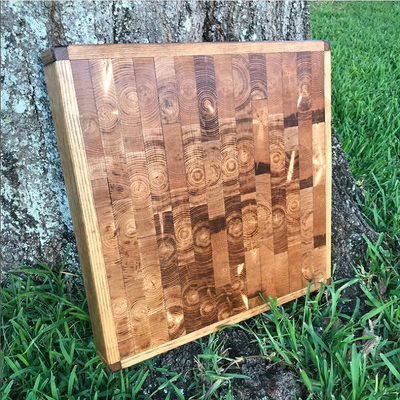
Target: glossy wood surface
(202, 181)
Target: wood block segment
(199, 183)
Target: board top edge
(132, 50)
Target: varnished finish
(134, 50)
(199, 183)
(328, 160)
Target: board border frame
(69, 135)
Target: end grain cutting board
(199, 178)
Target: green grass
(48, 350)
(47, 344)
(365, 47)
(334, 355)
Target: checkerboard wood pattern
(199, 180)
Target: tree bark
(36, 221)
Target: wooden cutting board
(199, 180)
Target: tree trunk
(36, 221)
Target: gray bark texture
(348, 226)
(36, 220)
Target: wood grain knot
(152, 281)
(292, 204)
(175, 320)
(190, 296)
(140, 189)
(187, 88)
(246, 155)
(238, 284)
(120, 306)
(225, 310)
(158, 180)
(305, 89)
(208, 110)
(201, 237)
(264, 212)
(279, 215)
(148, 94)
(241, 78)
(230, 166)
(108, 117)
(260, 116)
(128, 100)
(139, 310)
(208, 307)
(277, 158)
(250, 225)
(307, 275)
(213, 173)
(258, 76)
(108, 232)
(169, 105)
(183, 234)
(166, 249)
(195, 177)
(89, 125)
(235, 228)
(307, 223)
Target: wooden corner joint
(329, 281)
(114, 367)
(327, 45)
(55, 54)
